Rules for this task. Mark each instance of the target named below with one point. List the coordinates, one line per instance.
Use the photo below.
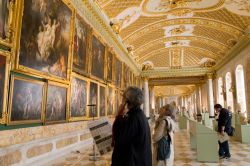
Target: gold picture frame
(5, 86)
(17, 45)
(71, 119)
(101, 102)
(85, 70)
(6, 39)
(111, 98)
(100, 39)
(28, 101)
(57, 99)
(89, 117)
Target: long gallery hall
(124, 82)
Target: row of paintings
(30, 97)
(33, 100)
(53, 43)
(52, 39)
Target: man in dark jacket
(131, 132)
(224, 126)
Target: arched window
(220, 92)
(229, 93)
(240, 88)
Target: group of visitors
(132, 137)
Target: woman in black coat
(131, 132)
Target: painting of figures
(80, 46)
(26, 100)
(78, 98)
(111, 101)
(110, 66)
(98, 54)
(102, 101)
(4, 7)
(45, 36)
(118, 73)
(93, 99)
(2, 81)
(56, 103)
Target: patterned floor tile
(184, 156)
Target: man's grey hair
(133, 97)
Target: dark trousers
(224, 149)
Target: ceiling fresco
(178, 33)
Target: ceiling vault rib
(141, 59)
(187, 19)
(174, 38)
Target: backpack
(163, 147)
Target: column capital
(210, 75)
(145, 78)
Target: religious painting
(26, 100)
(45, 37)
(56, 106)
(80, 46)
(118, 73)
(110, 66)
(98, 54)
(111, 101)
(78, 99)
(93, 99)
(102, 100)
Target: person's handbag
(231, 131)
(163, 147)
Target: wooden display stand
(205, 119)
(205, 141)
(183, 123)
(242, 132)
(207, 144)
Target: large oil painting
(110, 66)
(56, 103)
(102, 101)
(93, 99)
(4, 7)
(2, 82)
(118, 73)
(98, 54)
(80, 46)
(26, 100)
(45, 36)
(78, 99)
(111, 101)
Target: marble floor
(184, 156)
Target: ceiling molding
(243, 42)
(201, 21)
(177, 81)
(145, 57)
(176, 38)
(183, 72)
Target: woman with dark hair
(164, 127)
(131, 133)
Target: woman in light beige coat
(167, 113)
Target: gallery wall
(53, 64)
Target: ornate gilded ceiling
(178, 33)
